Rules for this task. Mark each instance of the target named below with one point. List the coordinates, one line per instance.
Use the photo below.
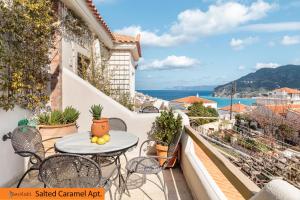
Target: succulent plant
(70, 115)
(57, 117)
(96, 111)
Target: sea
(175, 94)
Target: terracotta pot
(163, 152)
(100, 127)
(50, 131)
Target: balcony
(203, 173)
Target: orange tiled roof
(114, 36)
(282, 108)
(128, 39)
(95, 12)
(193, 99)
(237, 108)
(288, 90)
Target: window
(83, 63)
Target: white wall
(81, 95)
(201, 184)
(12, 165)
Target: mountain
(196, 88)
(263, 80)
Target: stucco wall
(201, 184)
(81, 95)
(12, 165)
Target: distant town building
(280, 96)
(184, 103)
(237, 108)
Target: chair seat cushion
(143, 165)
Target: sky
(206, 42)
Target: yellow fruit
(101, 141)
(94, 139)
(106, 137)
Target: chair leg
(163, 184)
(24, 177)
(110, 194)
(125, 157)
(124, 186)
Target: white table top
(80, 143)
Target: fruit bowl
(100, 140)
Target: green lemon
(106, 137)
(101, 141)
(94, 139)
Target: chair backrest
(173, 146)
(69, 171)
(150, 109)
(29, 139)
(117, 124)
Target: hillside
(263, 80)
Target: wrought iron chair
(27, 142)
(108, 159)
(150, 109)
(146, 165)
(117, 124)
(73, 171)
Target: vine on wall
(26, 35)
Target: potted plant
(57, 124)
(100, 126)
(165, 127)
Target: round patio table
(80, 143)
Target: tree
(26, 34)
(198, 110)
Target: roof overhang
(87, 11)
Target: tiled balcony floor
(177, 188)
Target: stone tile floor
(177, 188)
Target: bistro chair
(73, 171)
(148, 164)
(108, 159)
(27, 142)
(117, 124)
(150, 109)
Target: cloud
(290, 40)
(192, 24)
(241, 67)
(239, 44)
(219, 18)
(272, 27)
(169, 63)
(266, 65)
(151, 38)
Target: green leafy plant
(70, 115)
(43, 118)
(198, 110)
(166, 126)
(57, 117)
(96, 111)
(26, 36)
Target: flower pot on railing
(162, 151)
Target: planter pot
(163, 151)
(100, 127)
(50, 131)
